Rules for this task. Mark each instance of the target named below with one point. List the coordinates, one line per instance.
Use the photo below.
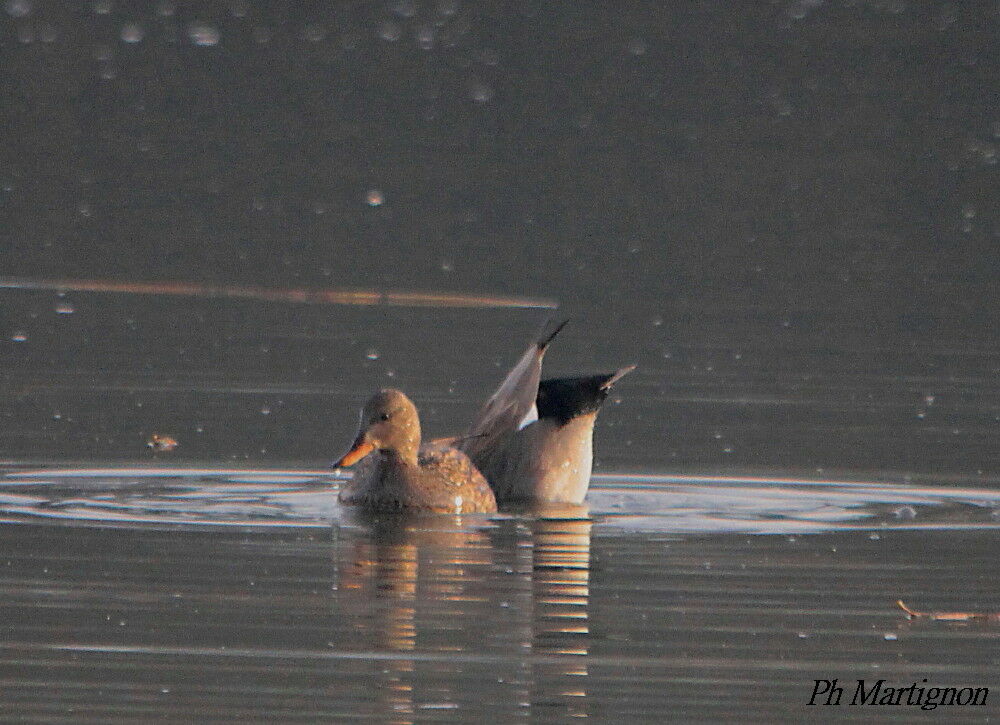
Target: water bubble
(481, 93)
(265, 411)
(102, 7)
(890, 636)
(797, 11)
(18, 8)
(26, 34)
(108, 72)
(905, 513)
(447, 265)
(657, 321)
(262, 35)
(19, 337)
(132, 33)
(929, 399)
(404, 8)
(374, 197)
(313, 33)
(203, 35)
(800, 9)
(390, 31)
(425, 37)
(637, 46)
(349, 41)
(874, 536)
(371, 353)
(969, 211)
(946, 17)
(64, 308)
(447, 7)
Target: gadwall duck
(533, 439)
(397, 473)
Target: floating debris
(287, 295)
(949, 616)
(162, 444)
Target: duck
(396, 473)
(533, 438)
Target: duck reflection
(486, 616)
(396, 564)
(560, 599)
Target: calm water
(176, 594)
(784, 212)
(739, 541)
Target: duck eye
(384, 416)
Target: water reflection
(560, 578)
(516, 588)
(218, 590)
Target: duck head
(389, 424)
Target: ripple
(663, 503)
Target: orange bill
(359, 450)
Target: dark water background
(784, 212)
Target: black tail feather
(545, 339)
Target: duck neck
(402, 455)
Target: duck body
(544, 461)
(395, 473)
(444, 480)
(533, 439)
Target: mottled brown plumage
(396, 473)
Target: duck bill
(361, 448)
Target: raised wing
(513, 404)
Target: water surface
(170, 594)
